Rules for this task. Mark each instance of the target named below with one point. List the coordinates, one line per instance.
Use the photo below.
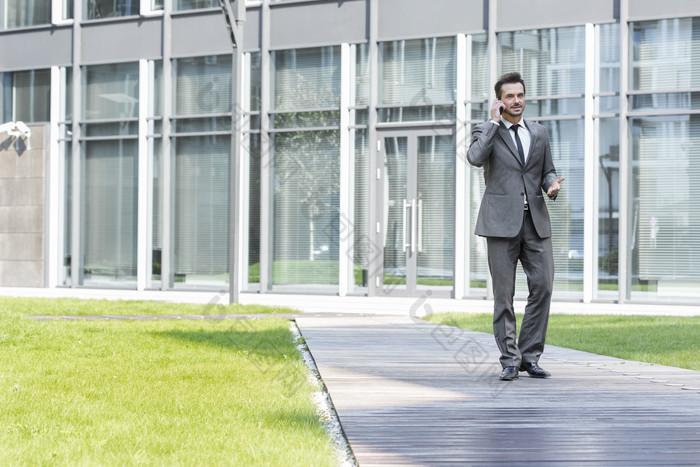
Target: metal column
(234, 14)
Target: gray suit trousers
(535, 256)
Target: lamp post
(234, 15)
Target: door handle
(406, 227)
(414, 225)
(420, 226)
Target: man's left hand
(555, 187)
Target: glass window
(202, 85)
(253, 148)
(111, 102)
(201, 210)
(417, 80)
(251, 145)
(155, 153)
(609, 52)
(23, 13)
(552, 62)
(306, 79)
(665, 54)
(109, 191)
(65, 147)
(478, 62)
(202, 105)
(436, 193)
(67, 9)
(306, 90)
(202, 94)
(608, 206)
(362, 75)
(109, 212)
(306, 87)
(99, 9)
(26, 96)
(255, 81)
(68, 97)
(155, 149)
(477, 97)
(664, 231)
(111, 92)
(156, 98)
(608, 153)
(306, 210)
(358, 227)
(195, 4)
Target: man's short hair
(508, 78)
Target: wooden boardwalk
(409, 392)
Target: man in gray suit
(513, 217)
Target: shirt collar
(509, 125)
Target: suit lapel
(505, 136)
(533, 137)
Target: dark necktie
(519, 144)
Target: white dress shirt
(524, 135)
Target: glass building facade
(354, 126)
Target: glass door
(418, 212)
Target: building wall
(22, 209)
(141, 111)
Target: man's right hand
(496, 110)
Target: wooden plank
(414, 393)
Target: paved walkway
(409, 392)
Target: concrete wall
(22, 210)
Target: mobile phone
(501, 110)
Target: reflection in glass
(23, 13)
(195, 4)
(26, 95)
(306, 197)
(100, 9)
(202, 86)
(306, 78)
(111, 91)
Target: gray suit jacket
(501, 211)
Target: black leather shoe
(509, 373)
(534, 370)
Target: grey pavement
(408, 392)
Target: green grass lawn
(208, 392)
(665, 340)
(75, 306)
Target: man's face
(513, 96)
